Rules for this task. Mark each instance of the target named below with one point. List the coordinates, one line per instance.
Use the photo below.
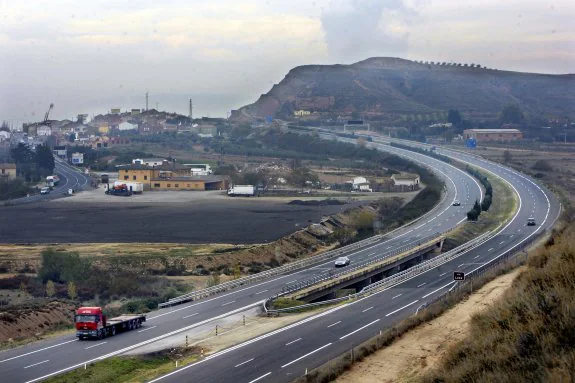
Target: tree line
(475, 212)
(33, 165)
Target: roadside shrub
(256, 267)
(531, 330)
(543, 166)
(63, 267)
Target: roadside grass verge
(55, 331)
(504, 205)
(285, 303)
(129, 369)
(331, 370)
(529, 335)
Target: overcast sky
(89, 56)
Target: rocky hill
(386, 88)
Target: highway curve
(286, 353)
(70, 178)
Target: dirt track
(201, 218)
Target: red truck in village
(91, 323)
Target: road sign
(458, 276)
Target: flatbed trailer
(92, 324)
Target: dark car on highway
(342, 262)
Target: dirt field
(418, 350)
(198, 221)
(162, 217)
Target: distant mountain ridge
(385, 87)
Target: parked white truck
(134, 187)
(242, 190)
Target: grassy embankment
(129, 369)
(502, 209)
(504, 205)
(529, 335)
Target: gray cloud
(357, 29)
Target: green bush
(63, 267)
(10, 189)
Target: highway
(285, 354)
(28, 363)
(70, 178)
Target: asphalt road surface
(70, 178)
(27, 363)
(285, 354)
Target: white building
(199, 169)
(361, 184)
(4, 135)
(43, 130)
(148, 161)
(405, 179)
(127, 126)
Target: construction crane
(46, 122)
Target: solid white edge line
(401, 308)
(242, 363)
(359, 329)
(306, 355)
(256, 379)
(434, 291)
(148, 341)
(319, 315)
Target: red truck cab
(92, 323)
(90, 320)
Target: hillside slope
(386, 87)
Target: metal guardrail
(292, 266)
(334, 275)
(297, 265)
(269, 273)
(394, 279)
(300, 264)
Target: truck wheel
(130, 325)
(138, 323)
(113, 331)
(100, 335)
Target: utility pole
(191, 110)
(146, 100)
